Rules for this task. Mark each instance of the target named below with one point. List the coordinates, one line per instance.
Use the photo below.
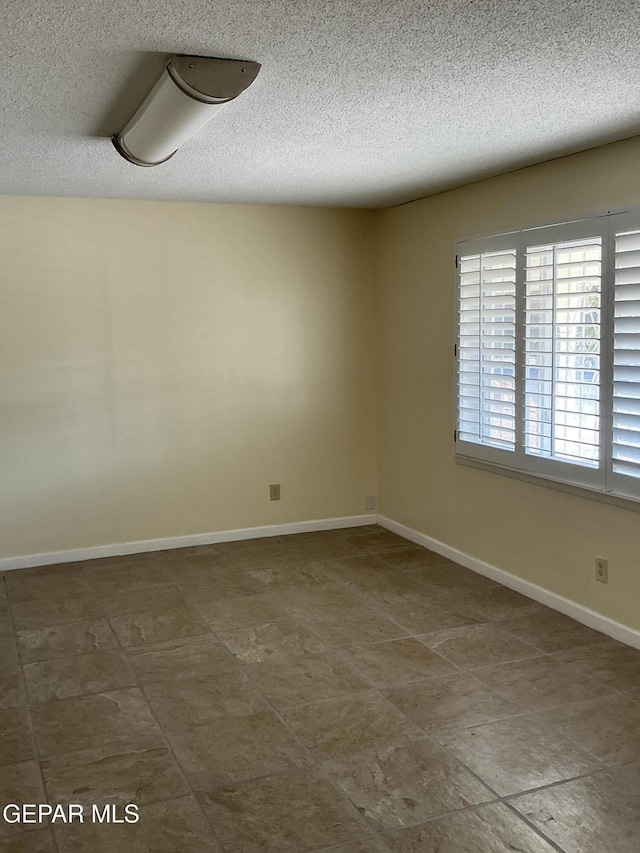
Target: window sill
(628, 503)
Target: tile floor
(341, 691)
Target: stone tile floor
(340, 691)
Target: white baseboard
(588, 617)
(582, 614)
(123, 548)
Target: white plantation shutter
(562, 351)
(548, 352)
(625, 418)
(486, 348)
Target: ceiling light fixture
(191, 91)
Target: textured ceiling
(365, 103)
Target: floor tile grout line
(476, 672)
(142, 645)
(432, 737)
(539, 652)
(476, 669)
(57, 624)
(104, 614)
(570, 738)
(377, 689)
(511, 796)
(521, 793)
(495, 623)
(471, 807)
(498, 799)
(378, 608)
(538, 709)
(140, 686)
(423, 736)
(384, 848)
(170, 749)
(314, 760)
(378, 604)
(339, 651)
(597, 771)
(440, 747)
(398, 830)
(118, 646)
(32, 734)
(115, 650)
(171, 752)
(343, 654)
(84, 693)
(543, 654)
(534, 828)
(415, 636)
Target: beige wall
(161, 364)
(540, 534)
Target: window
(548, 352)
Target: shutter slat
(628, 277)
(627, 258)
(627, 308)
(627, 470)
(627, 373)
(627, 437)
(627, 326)
(626, 406)
(629, 242)
(625, 390)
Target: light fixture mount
(212, 80)
(191, 90)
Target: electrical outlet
(274, 492)
(602, 570)
(370, 502)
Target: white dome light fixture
(191, 91)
